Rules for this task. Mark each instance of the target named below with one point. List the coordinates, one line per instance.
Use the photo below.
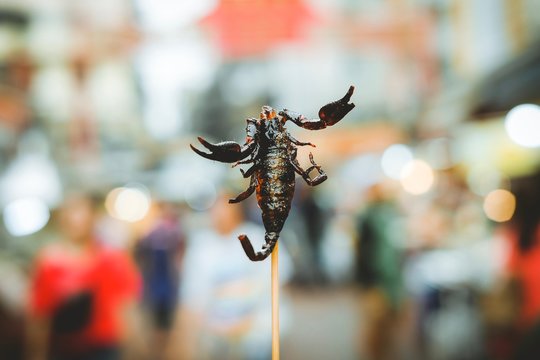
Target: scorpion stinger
(270, 242)
(272, 151)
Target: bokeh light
(19, 180)
(394, 159)
(499, 205)
(523, 125)
(130, 203)
(26, 216)
(417, 177)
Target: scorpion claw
(226, 151)
(201, 153)
(220, 147)
(348, 95)
(335, 111)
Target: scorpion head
(267, 113)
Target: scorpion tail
(270, 239)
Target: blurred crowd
(431, 280)
(118, 242)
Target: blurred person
(378, 272)
(314, 222)
(13, 285)
(80, 291)
(159, 255)
(449, 264)
(226, 297)
(522, 278)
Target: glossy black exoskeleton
(272, 151)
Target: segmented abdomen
(275, 188)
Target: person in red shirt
(523, 267)
(79, 291)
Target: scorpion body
(272, 151)
(274, 175)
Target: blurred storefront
(436, 169)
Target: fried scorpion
(272, 151)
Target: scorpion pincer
(272, 152)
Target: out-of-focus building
(105, 96)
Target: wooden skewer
(275, 305)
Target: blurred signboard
(250, 28)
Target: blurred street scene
(117, 241)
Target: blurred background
(117, 240)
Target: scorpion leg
(298, 142)
(251, 158)
(328, 115)
(245, 194)
(226, 151)
(249, 171)
(270, 238)
(305, 173)
(248, 161)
